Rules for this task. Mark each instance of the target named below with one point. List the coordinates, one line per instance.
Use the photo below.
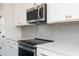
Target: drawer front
(43, 52)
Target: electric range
(28, 47)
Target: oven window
(23, 52)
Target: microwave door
(32, 15)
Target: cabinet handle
(8, 41)
(0, 32)
(43, 54)
(0, 48)
(0, 16)
(70, 16)
(66, 17)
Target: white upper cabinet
(74, 11)
(62, 12)
(57, 12)
(20, 13)
(50, 13)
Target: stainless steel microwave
(38, 14)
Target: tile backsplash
(28, 32)
(66, 32)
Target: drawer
(43, 52)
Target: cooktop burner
(35, 41)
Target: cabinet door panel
(50, 13)
(15, 48)
(10, 48)
(61, 11)
(58, 12)
(20, 13)
(75, 11)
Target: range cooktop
(35, 41)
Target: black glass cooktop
(35, 41)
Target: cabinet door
(20, 13)
(0, 51)
(74, 11)
(0, 46)
(4, 44)
(50, 13)
(58, 12)
(8, 48)
(15, 48)
(3, 47)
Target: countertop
(67, 49)
(17, 39)
(64, 48)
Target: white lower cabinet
(10, 48)
(0, 46)
(0, 52)
(43, 52)
(15, 49)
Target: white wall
(66, 32)
(11, 31)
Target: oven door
(27, 51)
(23, 52)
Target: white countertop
(16, 39)
(71, 49)
(64, 48)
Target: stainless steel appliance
(26, 50)
(38, 14)
(28, 47)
